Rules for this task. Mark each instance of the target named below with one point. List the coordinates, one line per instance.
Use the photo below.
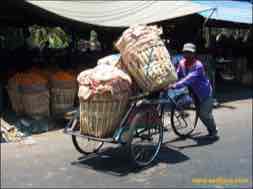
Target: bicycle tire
(131, 146)
(181, 114)
(90, 147)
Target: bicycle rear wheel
(145, 141)
(83, 145)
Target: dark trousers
(206, 115)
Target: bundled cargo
(146, 57)
(116, 61)
(103, 93)
(63, 91)
(113, 60)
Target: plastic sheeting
(120, 13)
(231, 11)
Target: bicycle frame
(136, 102)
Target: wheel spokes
(185, 121)
(145, 146)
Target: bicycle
(141, 129)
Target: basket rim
(91, 101)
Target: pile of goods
(9, 133)
(103, 94)
(29, 93)
(83, 45)
(113, 60)
(146, 57)
(32, 92)
(40, 37)
(57, 38)
(116, 61)
(104, 91)
(63, 87)
(93, 44)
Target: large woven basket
(151, 67)
(36, 103)
(101, 115)
(15, 96)
(16, 100)
(60, 84)
(62, 100)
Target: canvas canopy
(120, 13)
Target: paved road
(47, 162)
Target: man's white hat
(189, 47)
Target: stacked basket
(101, 115)
(103, 94)
(146, 57)
(63, 92)
(15, 96)
(36, 101)
(29, 94)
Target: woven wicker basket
(16, 100)
(146, 57)
(36, 104)
(63, 84)
(62, 99)
(63, 94)
(101, 115)
(15, 95)
(150, 67)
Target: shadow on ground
(114, 161)
(197, 138)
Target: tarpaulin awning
(230, 11)
(120, 13)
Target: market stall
(228, 35)
(56, 45)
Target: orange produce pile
(64, 76)
(30, 78)
(42, 72)
(36, 76)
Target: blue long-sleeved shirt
(195, 78)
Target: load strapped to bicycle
(113, 111)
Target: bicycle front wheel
(184, 120)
